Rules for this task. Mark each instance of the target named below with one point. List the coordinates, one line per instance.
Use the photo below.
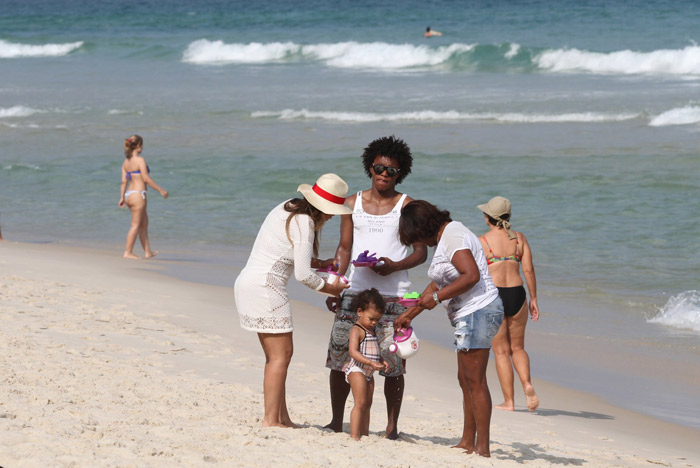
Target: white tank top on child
(379, 234)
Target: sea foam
(678, 116)
(12, 50)
(681, 311)
(17, 111)
(375, 55)
(452, 115)
(684, 61)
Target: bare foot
(505, 406)
(130, 255)
(532, 401)
(290, 424)
(465, 447)
(279, 424)
(151, 254)
(334, 427)
(392, 434)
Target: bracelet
(435, 298)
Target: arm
(404, 320)
(123, 187)
(147, 178)
(418, 256)
(344, 250)
(469, 275)
(302, 235)
(530, 279)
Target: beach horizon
(112, 362)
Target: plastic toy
(406, 343)
(365, 259)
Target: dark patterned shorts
(340, 334)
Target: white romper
(261, 287)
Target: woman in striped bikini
(135, 172)
(506, 251)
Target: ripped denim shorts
(476, 330)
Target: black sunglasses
(380, 168)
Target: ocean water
(587, 116)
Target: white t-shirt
(456, 236)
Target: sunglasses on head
(380, 168)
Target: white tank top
(379, 234)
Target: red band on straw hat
(327, 196)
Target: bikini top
(493, 259)
(128, 174)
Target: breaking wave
(13, 50)
(681, 311)
(510, 57)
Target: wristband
(435, 298)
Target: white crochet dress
(261, 288)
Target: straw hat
(327, 194)
(496, 208)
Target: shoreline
(125, 364)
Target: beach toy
(405, 344)
(410, 299)
(365, 260)
(331, 276)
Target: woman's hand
(121, 203)
(336, 289)
(404, 320)
(164, 193)
(534, 309)
(323, 264)
(333, 304)
(384, 266)
(426, 301)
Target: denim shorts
(476, 330)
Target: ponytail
(130, 144)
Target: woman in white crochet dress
(287, 242)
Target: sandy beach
(107, 362)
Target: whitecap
(12, 50)
(451, 115)
(204, 51)
(374, 55)
(679, 116)
(681, 311)
(684, 61)
(380, 55)
(17, 111)
(512, 51)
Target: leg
(278, 350)
(337, 357)
(521, 360)
(477, 400)
(138, 208)
(368, 405)
(358, 383)
(504, 367)
(143, 235)
(393, 392)
(340, 390)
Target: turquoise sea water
(586, 116)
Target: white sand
(106, 362)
